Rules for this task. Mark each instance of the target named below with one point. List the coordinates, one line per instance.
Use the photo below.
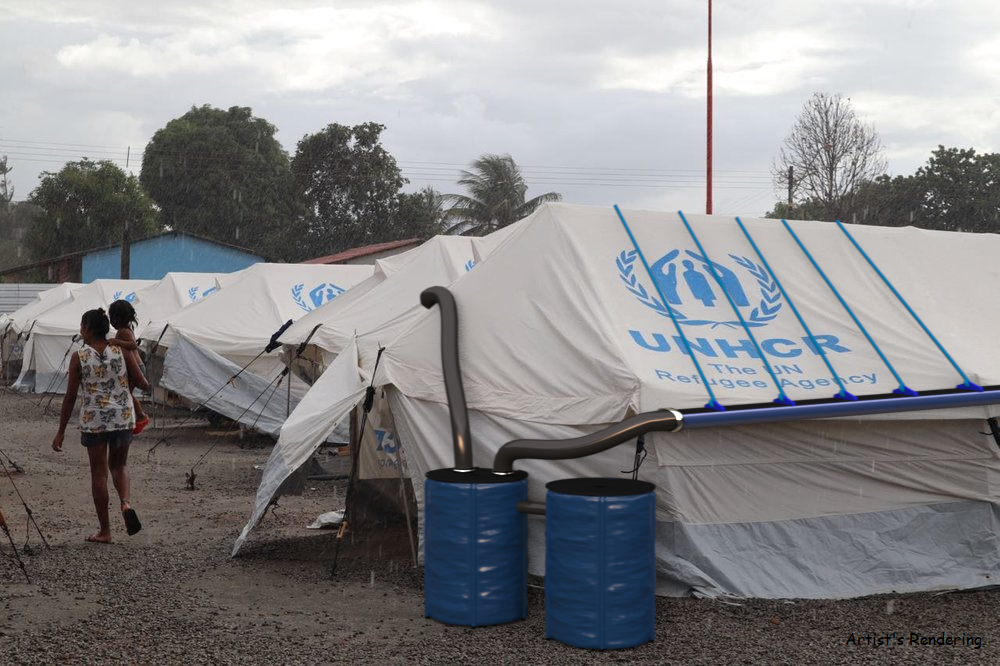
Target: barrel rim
(600, 487)
(478, 475)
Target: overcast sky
(601, 101)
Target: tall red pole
(708, 170)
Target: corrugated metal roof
(357, 252)
(16, 296)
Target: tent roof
(46, 300)
(253, 303)
(169, 295)
(64, 319)
(562, 323)
(382, 298)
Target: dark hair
(96, 322)
(122, 314)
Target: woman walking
(106, 416)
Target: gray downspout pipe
(461, 436)
(666, 420)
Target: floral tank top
(107, 402)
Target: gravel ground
(172, 594)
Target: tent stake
(406, 504)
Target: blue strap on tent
(903, 388)
(843, 394)
(712, 402)
(782, 399)
(968, 385)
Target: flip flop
(141, 425)
(132, 524)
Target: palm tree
(496, 197)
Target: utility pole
(708, 169)
(126, 251)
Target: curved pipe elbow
(461, 435)
(666, 420)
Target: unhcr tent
(224, 337)
(350, 332)
(22, 318)
(16, 326)
(563, 331)
(55, 333)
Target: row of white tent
(563, 331)
(229, 317)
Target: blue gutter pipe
(841, 409)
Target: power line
(56, 143)
(589, 174)
(60, 148)
(52, 152)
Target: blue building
(174, 251)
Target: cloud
(983, 58)
(562, 82)
(758, 64)
(304, 49)
(969, 121)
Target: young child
(122, 316)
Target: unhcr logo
(130, 297)
(193, 294)
(686, 280)
(322, 293)
(385, 441)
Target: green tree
(960, 190)
(496, 197)
(805, 210)
(223, 175)
(830, 153)
(420, 214)
(15, 220)
(85, 205)
(8, 242)
(890, 202)
(957, 190)
(350, 187)
(6, 192)
(884, 201)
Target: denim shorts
(113, 438)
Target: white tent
(16, 295)
(54, 333)
(351, 330)
(211, 342)
(563, 332)
(15, 327)
(22, 318)
(170, 295)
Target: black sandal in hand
(132, 523)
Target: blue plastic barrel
(600, 562)
(475, 568)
